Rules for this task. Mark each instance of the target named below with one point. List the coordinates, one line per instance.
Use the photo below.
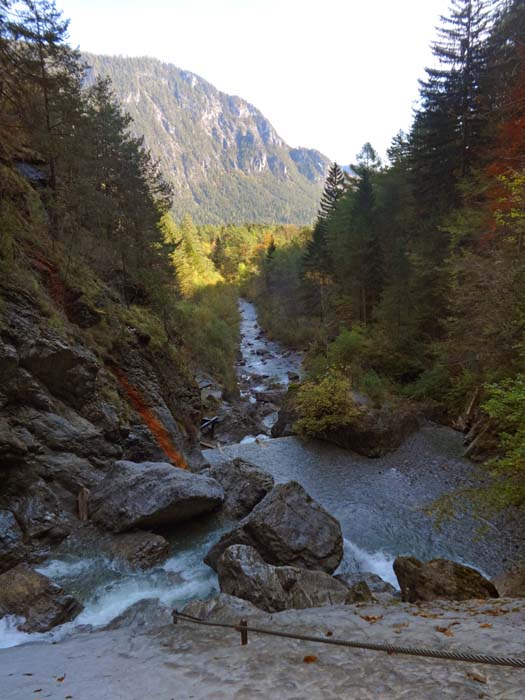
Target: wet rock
(143, 613)
(151, 494)
(140, 550)
(284, 425)
(28, 594)
(360, 593)
(69, 372)
(287, 528)
(244, 484)
(222, 608)
(440, 578)
(8, 362)
(12, 548)
(243, 573)
(293, 376)
(511, 584)
(375, 583)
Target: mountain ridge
(225, 160)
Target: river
(379, 502)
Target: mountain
(224, 158)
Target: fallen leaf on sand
(485, 625)
(474, 676)
(496, 613)
(446, 631)
(432, 616)
(371, 618)
(38, 690)
(61, 679)
(310, 659)
(329, 633)
(398, 625)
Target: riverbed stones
(244, 484)
(288, 527)
(151, 495)
(244, 573)
(31, 595)
(440, 578)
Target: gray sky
(329, 74)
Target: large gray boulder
(28, 594)
(244, 574)
(244, 484)
(11, 541)
(440, 578)
(511, 584)
(381, 589)
(150, 495)
(287, 528)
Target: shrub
(325, 405)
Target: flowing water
(379, 503)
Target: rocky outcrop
(28, 594)
(377, 431)
(65, 415)
(440, 578)
(244, 484)
(151, 494)
(287, 528)
(244, 574)
(12, 550)
(511, 584)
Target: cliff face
(84, 380)
(223, 157)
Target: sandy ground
(186, 662)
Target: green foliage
(325, 405)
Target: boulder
(511, 584)
(28, 594)
(440, 578)
(244, 574)
(377, 431)
(375, 584)
(143, 613)
(244, 484)
(150, 495)
(287, 528)
(223, 608)
(69, 372)
(11, 541)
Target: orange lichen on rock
(158, 431)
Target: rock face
(243, 573)
(222, 608)
(287, 528)
(440, 578)
(11, 541)
(511, 584)
(244, 484)
(43, 604)
(151, 494)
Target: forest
(409, 287)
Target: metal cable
(389, 648)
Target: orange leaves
(485, 625)
(371, 618)
(310, 659)
(445, 630)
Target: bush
(325, 405)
